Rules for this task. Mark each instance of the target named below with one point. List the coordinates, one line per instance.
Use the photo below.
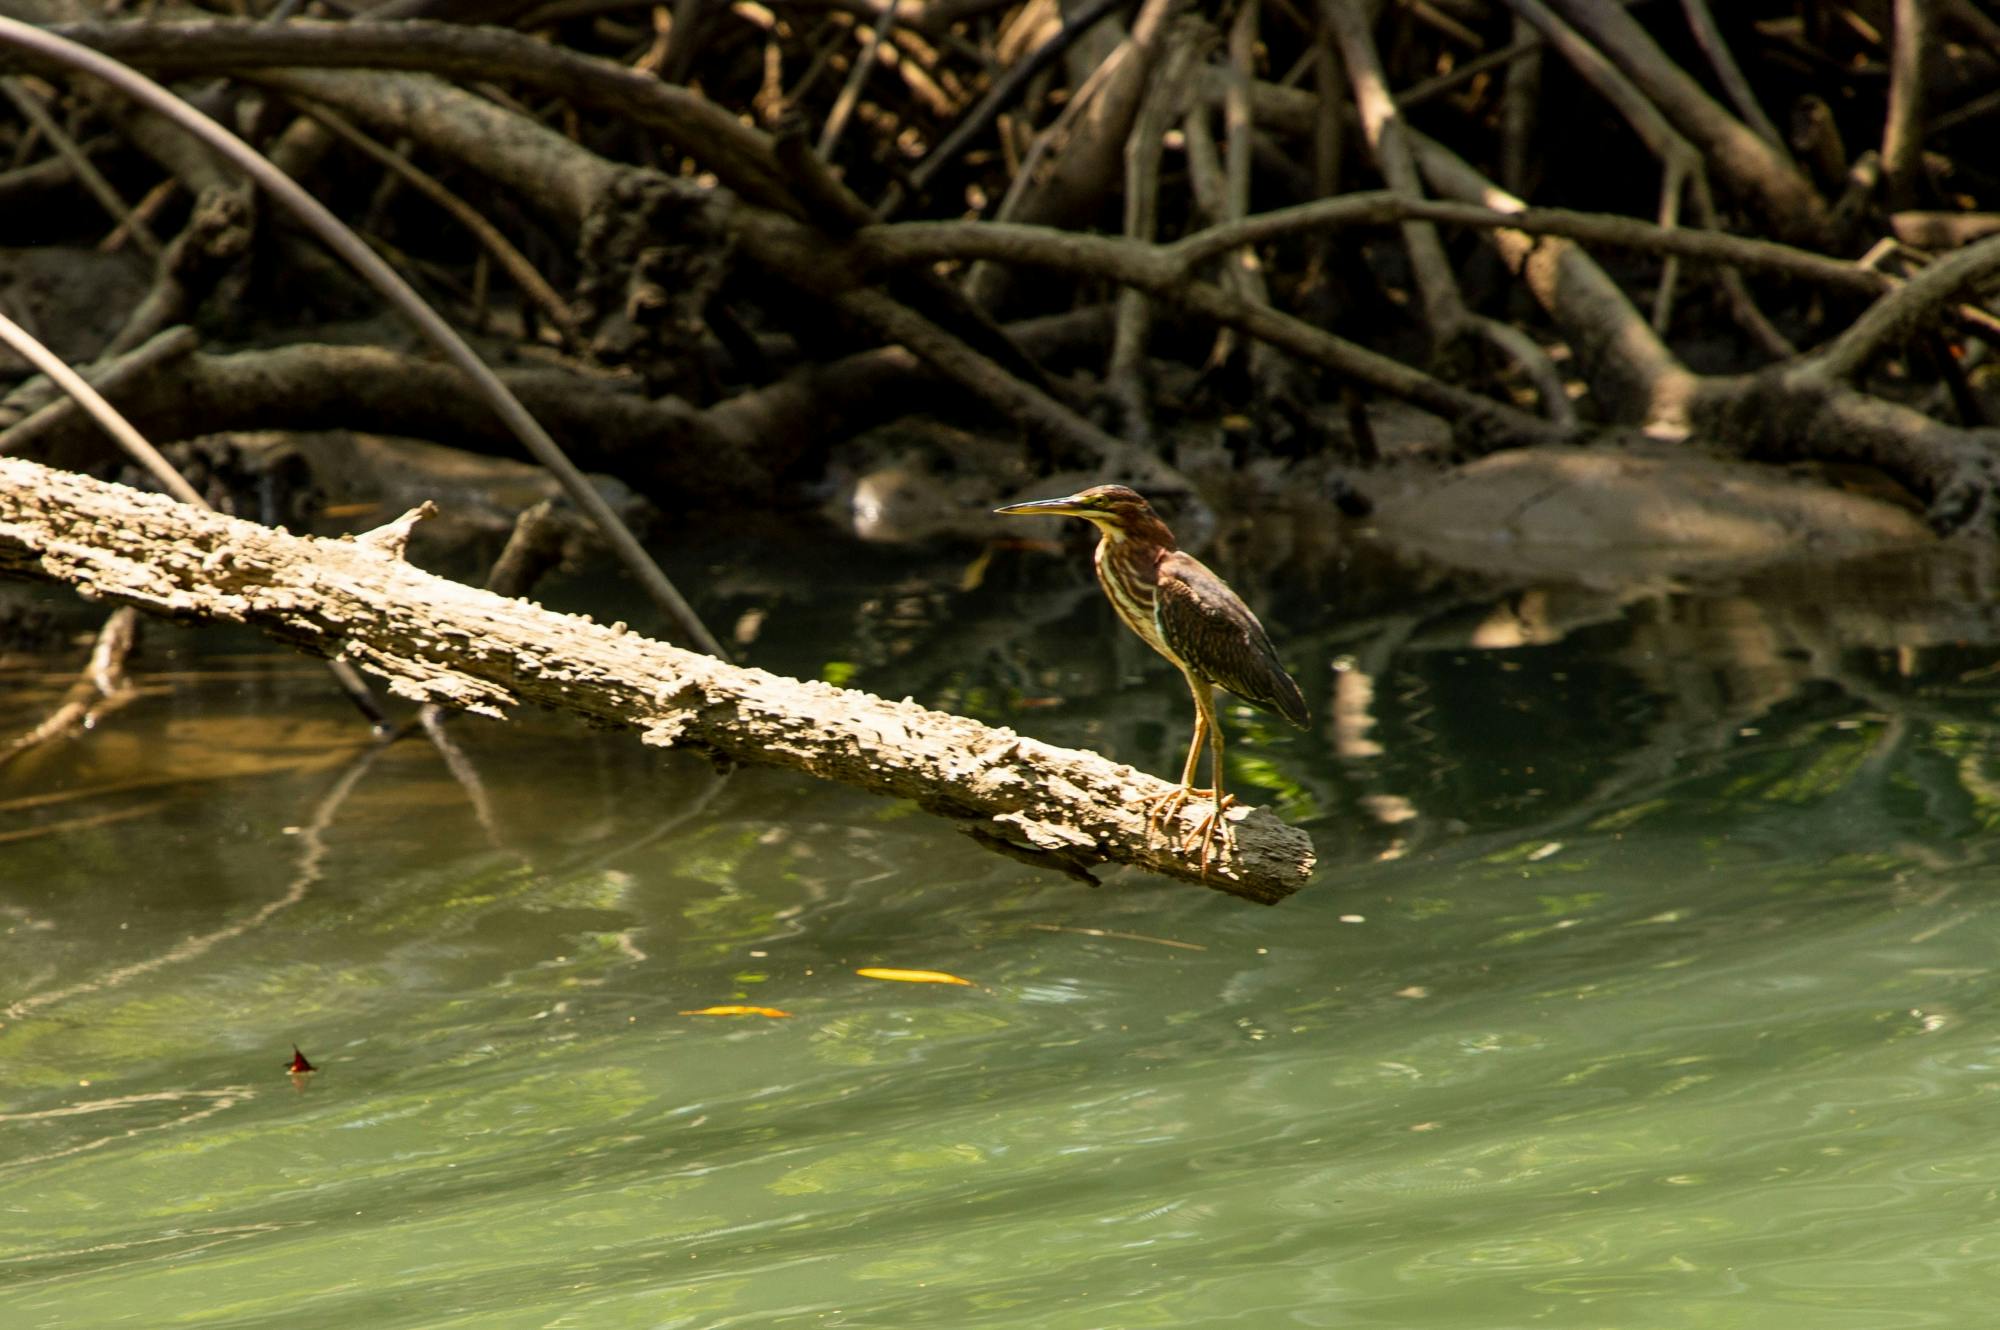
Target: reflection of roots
(313, 851)
(102, 689)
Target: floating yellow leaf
(912, 976)
(736, 1011)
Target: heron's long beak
(1066, 506)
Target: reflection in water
(1642, 984)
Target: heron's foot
(1169, 806)
(1211, 828)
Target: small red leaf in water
(299, 1066)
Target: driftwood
(440, 641)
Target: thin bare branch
(495, 242)
(1903, 125)
(30, 106)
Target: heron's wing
(1210, 628)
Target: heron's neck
(1128, 569)
(1136, 556)
(1148, 533)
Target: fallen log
(439, 641)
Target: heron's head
(1120, 513)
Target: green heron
(1189, 615)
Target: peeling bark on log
(440, 641)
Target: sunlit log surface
(436, 640)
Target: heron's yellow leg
(1168, 806)
(1212, 821)
(1201, 734)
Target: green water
(1647, 981)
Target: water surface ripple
(1703, 1037)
